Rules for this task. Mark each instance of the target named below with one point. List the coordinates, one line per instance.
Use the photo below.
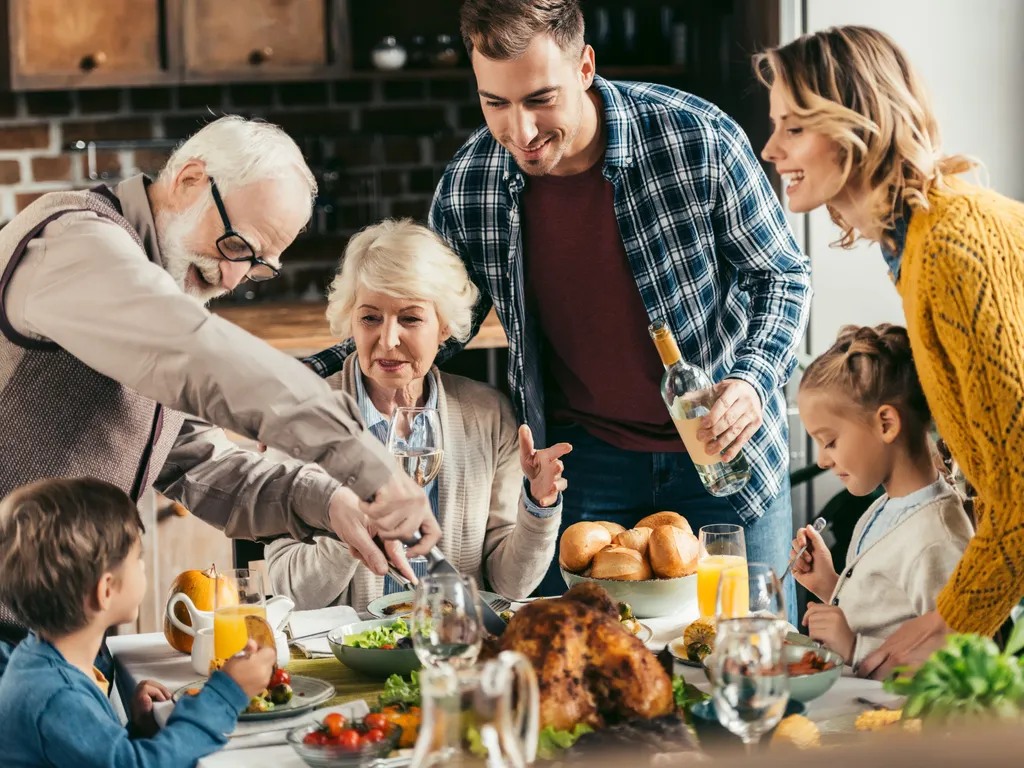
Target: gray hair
(237, 151)
(405, 260)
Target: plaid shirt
(705, 236)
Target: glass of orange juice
(721, 546)
(239, 594)
(750, 589)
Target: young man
(72, 567)
(585, 210)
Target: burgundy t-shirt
(601, 369)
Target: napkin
(263, 733)
(320, 620)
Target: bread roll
(579, 543)
(636, 538)
(659, 519)
(620, 563)
(673, 552)
(613, 528)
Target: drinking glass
(446, 625)
(239, 612)
(414, 437)
(721, 546)
(751, 589)
(750, 687)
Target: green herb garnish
(968, 678)
(686, 695)
(551, 742)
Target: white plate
(377, 607)
(307, 693)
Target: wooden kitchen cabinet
(268, 40)
(74, 44)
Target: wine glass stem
(750, 745)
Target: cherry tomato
(387, 647)
(373, 736)
(334, 723)
(376, 720)
(312, 738)
(348, 739)
(280, 677)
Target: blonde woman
(854, 131)
(400, 294)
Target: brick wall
(377, 146)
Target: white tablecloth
(141, 657)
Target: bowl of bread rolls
(652, 566)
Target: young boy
(71, 567)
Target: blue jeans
(608, 483)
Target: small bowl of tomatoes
(336, 741)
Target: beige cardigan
(486, 529)
(900, 576)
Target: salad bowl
(377, 648)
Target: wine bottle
(689, 395)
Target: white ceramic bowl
(649, 599)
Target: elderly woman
(400, 294)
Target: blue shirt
(706, 239)
(889, 513)
(52, 714)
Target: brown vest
(60, 418)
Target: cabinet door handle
(91, 61)
(261, 56)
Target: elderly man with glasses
(112, 367)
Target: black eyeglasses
(234, 247)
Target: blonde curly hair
(856, 86)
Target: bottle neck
(667, 348)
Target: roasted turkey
(590, 668)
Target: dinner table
(262, 745)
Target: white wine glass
(446, 625)
(750, 686)
(415, 438)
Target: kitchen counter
(300, 328)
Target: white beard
(173, 233)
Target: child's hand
(146, 693)
(252, 668)
(542, 468)
(827, 624)
(814, 568)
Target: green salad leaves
(375, 638)
(398, 691)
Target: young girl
(862, 403)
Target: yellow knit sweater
(962, 283)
